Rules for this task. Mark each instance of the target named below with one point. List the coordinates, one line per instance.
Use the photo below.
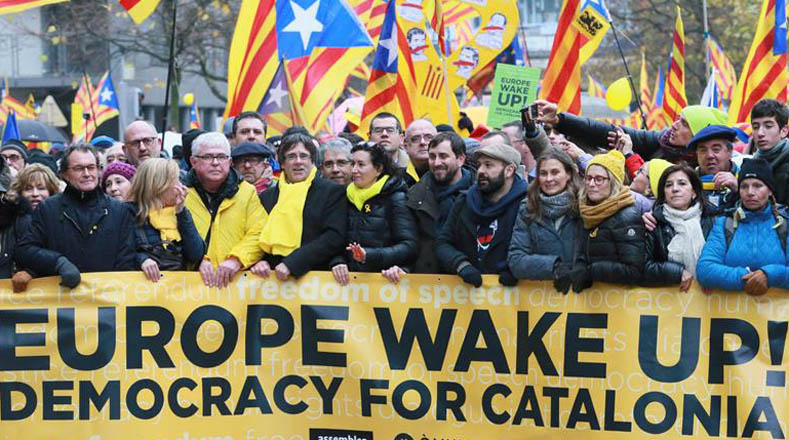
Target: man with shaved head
(417, 136)
(141, 142)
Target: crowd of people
(559, 197)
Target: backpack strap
(781, 230)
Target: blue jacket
(537, 245)
(754, 245)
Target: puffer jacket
(230, 221)
(15, 220)
(615, 248)
(754, 245)
(385, 228)
(537, 246)
(658, 270)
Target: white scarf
(688, 242)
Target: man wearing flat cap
(253, 161)
(15, 154)
(713, 146)
(476, 235)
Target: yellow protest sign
(122, 358)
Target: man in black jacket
(432, 197)
(476, 236)
(80, 230)
(322, 221)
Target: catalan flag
(725, 74)
(105, 107)
(371, 14)
(275, 106)
(82, 104)
(674, 99)
(21, 110)
(595, 89)
(561, 82)
(12, 6)
(194, 116)
(655, 119)
(764, 74)
(139, 10)
(645, 95)
(392, 84)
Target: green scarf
(359, 196)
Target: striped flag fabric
(371, 14)
(764, 74)
(592, 23)
(194, 116)
(12, 6)
(561, 81)
(275, 106)
(21, 110)
(105, 107)
(711, 96)
(725, 74)
(595, 89)
(674, 98)
(655, 119)
(139, 10)
(392, 84)
(645, 95)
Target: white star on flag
(391, 46)
(305, 22)
(277, 94)
(106, 95)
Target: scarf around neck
(773, 153)
(358, 196)
(593, 215)
(165, 221)
(688, 242)
(555, 206)
(282, 233)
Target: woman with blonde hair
(166, 236)
(35, 183)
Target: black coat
(658, 270)
(385, 228)
(615, 248)
(93, 231)
(323, 230)
(14, 222)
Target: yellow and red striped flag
(725, 75)
(371, 14)
(764, 74)
(12, 6)
(21, 110)
(392, 86)
(194, 116)
(561, 82)
(104, 102)
(82, 104)
(592, 22)
(595, 89)
(674, 98)
(645, 95)
(140, 9)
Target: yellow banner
(122, 358)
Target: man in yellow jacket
(225, 209)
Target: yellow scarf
(359, 196)
(410, 169)
(164, 221)
(282, 233)
(593, 215)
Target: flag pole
(629, 76)
(706, 38)
(88, 85)
(170, 68)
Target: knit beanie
(613, 161)
(17, 146)
(656, 169)
(756, 169)
(699, 116)
(121, 168)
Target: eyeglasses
(213, 157)
(418, 138)
(388, 130)
(290, 157)
(12, 157)
(337, 163)
(598, 180)
(147, 141)
(250, 160)
(79, 169)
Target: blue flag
(11, 130)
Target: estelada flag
(11, 6)
(140, 9)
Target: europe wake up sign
(513, 88)
(121, 358)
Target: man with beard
(476, 235)
(432, 197)
(670, 143)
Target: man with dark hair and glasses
(225, 209)
(81, 229)
(385, 130)
(141, 142)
